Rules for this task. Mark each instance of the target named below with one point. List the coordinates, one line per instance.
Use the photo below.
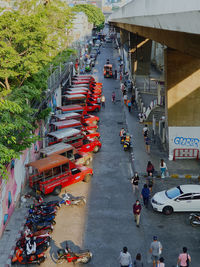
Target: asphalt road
(109, 221)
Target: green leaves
(93, 13)
(32, 36)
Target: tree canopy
(93, 13)
(32, 36)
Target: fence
(186, 153)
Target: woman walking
(163, 168)
(135, 180)
(138, 262)
(150, 168)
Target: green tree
(93, 13)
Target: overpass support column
(182, 74)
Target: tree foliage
(32, 37)
(93, 13)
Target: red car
(84, 117)
(76, 138)
(58, 125)
(71, 108)
(51, 174)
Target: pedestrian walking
(135, 180)
(184, 258)
(115, 74)
(125, 258)
(138, 261)
(103, 100)
(122, 88)
(161, 262)
(147, 141)
(113, 97)
(145, 195)
(136, 211)
(155, 250)
(150, 181)
(150, 168)
(163, 168)
(125, 99)
(145, 131)
(132, 99)
(129, 105)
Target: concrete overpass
(175, 24)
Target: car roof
(75, 96)
(70, 107)
(60, 134)
(78, 88)
(48, 163)
(190, 188)
(58, 148)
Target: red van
(76, 138)
(58, 125)
(84, 118)
(51, 174)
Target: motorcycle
(123, 138)
(43, 212)
(194, 219)
(127, 145)
(70, 201)
(40, 226)
(38, 219)
(20, 257)
(69, 256)
(41, 242)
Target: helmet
(155, 238)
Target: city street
(109, 222)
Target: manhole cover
(160, 226)
(120, 122)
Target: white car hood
(161, 197)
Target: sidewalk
(177, 169)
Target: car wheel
(57, 190)
(96, 109)
(87, 178)
(167, 210)
(96, 149)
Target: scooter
(69, 256)
(20, 257)
(41, 242)
(194, 219)
(123, 138)
(127, 145)
(38, 219)
(70, 201)
(40, 226)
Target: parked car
(51, 174)
(67, 151)
(183, 198)
(83, 117)
(75, 137)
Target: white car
(181, 198)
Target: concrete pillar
(141, 54)
(182, 74)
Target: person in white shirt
(125, 258)
(163, 168)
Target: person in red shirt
(136, 211)
(184, 258)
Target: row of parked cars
(71, 141)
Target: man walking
(125, 258)
(145, 195)
(155, 250)
(103, 100)
(136, 211)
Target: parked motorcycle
(70, 201)
(70, 256)
(194, 219)
(20, 257)
(44, 241)
(43, 212)
(38, 219)
(40, 226)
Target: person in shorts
(155, 250)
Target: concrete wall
(182, 74)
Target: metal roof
(48, 163)
(71, 108)
(67, 116)
(77, 89)
(76, 96)
(58, 148)
(66, 123)
(64, 133)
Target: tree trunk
(7, 84)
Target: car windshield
(174, 192)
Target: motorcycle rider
(127, 139)
(122, 134)
(30, 247)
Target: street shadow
(53, 251)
